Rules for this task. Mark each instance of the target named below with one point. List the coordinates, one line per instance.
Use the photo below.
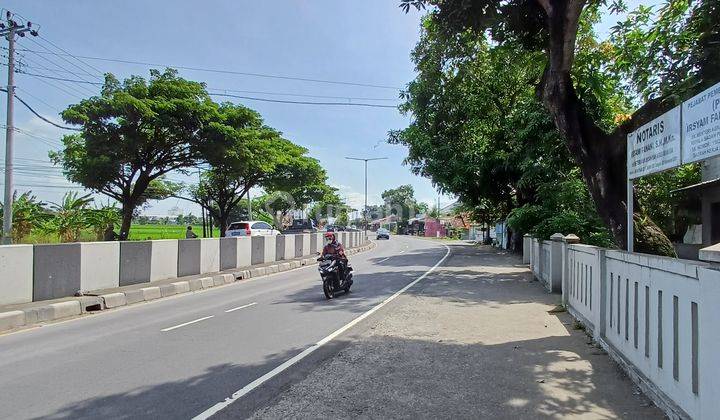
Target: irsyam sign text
(655, 146)
(701, 126)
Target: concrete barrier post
(527, 248)
(164, 259)
(556, 262)
(188, 259)
(56, 271)
(209, 255)
(16, 274)
(705, 365)
(244, 251)
(228, 253)
(302, 245)
(99, 265)
(565, 261)
(135, 262)
(315, 242)
(285, 247)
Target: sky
(365, 42)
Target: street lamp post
(365, 210)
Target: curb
(86, 304)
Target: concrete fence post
(567, 241)
(556, 263)
(527, 248)
(602, 276)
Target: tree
(70, 216)
(552, 27)
(100, 218)
(342, 218)
(245, 153)
(401, 202)
(133, 134)
(28, 213)
(476, 102)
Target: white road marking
(187, 323)
(241, 307)
(288, 363)
(384, 259)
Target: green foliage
(401, 202)
(563, 207)
(670, 50)
(656, 194)
(28, 214)
(342, 219)
(133, 134)
(100, 218)
(70, 216)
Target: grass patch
(137, 233)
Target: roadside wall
(657, 316)
(41, 272)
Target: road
(179, 357)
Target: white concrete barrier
(163, 262)
(302, 245)
(244, 251)
(285, 247)
(16, 274)
(99, 265)
(209, 255)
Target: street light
(366, 160)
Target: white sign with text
(701, 126)
(655, 146)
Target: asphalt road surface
(182, 357)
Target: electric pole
(9, 29)
(366, 160)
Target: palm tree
(71, 216)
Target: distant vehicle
(382, 233)
(251, 228)
(334, 228)
(301, 226)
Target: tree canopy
(134, 133)
(594, 92)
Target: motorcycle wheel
(328, 289)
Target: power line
(73, 56)
(59, 87)
(40, 116)
(63, 57)
(280, 101)
(61, 68)
(80, 89)
(42, 101)
(350, 98)
(239, 73)
(362, 104)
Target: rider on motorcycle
(335, 248)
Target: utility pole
(9, 29)
(366, 160)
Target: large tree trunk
(128, 209)
(601, 156)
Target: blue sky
(365, 41)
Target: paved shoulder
(472, 340)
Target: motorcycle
(329, 267)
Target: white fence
(659, 317)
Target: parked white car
(251, 228)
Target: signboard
(701, 126)
(655, 146)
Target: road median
(21, 316)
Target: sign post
(653, 147)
